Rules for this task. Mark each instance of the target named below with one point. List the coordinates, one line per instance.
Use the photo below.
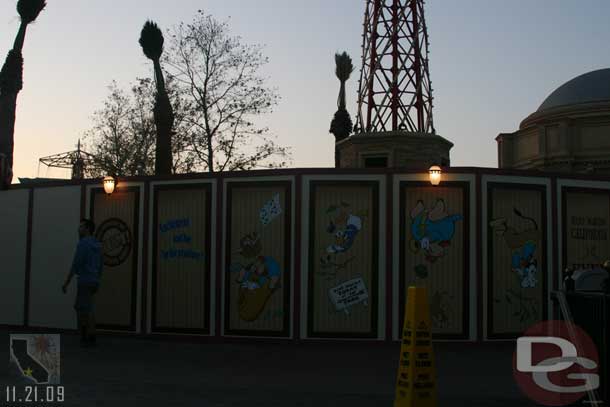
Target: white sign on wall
(350, 293)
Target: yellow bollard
(416, 382)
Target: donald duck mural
(432, 229)
(523, 245)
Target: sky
(492, 63)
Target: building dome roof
(590, 87)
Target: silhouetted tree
(11, 82)
(151, 40)
(220, 77)
(123, 136)
(341, 125)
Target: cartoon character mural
(261, 270)
(440, 309)
(432, 229)
(440, 301)
(523, 245)
(344, 226)
(258, 275)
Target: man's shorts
(85, 297)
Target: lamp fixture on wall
(435, 174)
(109, 184)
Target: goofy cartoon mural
(432, 229)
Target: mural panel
(343, 259)
(116, 219)
(182, 256)
(586, 220)
(517, 277)
(434, 248)
(257, 283)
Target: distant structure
(570, 131)
(78, 161)
(394, 126)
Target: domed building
(570, 131)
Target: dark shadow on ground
(143, 372)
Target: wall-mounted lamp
(109, 184)
(435, 174)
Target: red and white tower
(394, 126)
(394, 89)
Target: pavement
(130, 371)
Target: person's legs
(91, 322)
(92, 331)
(83, 309)
(83, 325)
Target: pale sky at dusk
(492, 63)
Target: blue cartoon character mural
(432, 229)
(524, 264)
(523, 245)
(344, 227)
(258, 275)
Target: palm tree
(151, 40)
(341, 125)
(11, 82)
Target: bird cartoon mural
(523, 245)
(344, 226)
(432, 229)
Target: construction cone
(416, 382)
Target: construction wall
(181, 267)
(55, 220)
(298, 254)
(343, 257)
(257, 258)
(13, 255)
(517, 284)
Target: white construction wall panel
(13, 245)
(54, 238)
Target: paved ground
(143, 372)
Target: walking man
(87, 265)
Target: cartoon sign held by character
(523, 246)
(346, 295)
(344, 226)
(258, 275)
(432, 229)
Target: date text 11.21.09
(33, 394)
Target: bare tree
(220, 77)
(123, 136)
